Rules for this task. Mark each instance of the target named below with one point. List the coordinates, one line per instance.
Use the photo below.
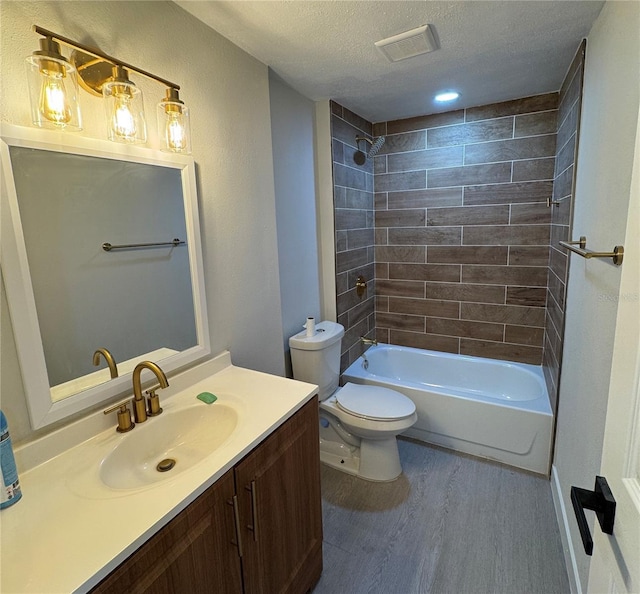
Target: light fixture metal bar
(100, 54)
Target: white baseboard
(565, 534)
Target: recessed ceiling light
(448, 96)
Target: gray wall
(604, 168)
(292, 134)
(228, 92)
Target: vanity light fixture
(53, 88)
(174, 123)
(53, 92)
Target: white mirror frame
(17, 278)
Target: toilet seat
(374, 402)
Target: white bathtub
(485, 407)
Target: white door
(615, 566)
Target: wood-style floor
(451, 524)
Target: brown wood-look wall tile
(514, 107)
(507, 235)
(360, 312)
(380, 129)
(561, 212)
(467, 254)
(382, 270)
(496, 129)
(468, 215)
(400, 288)
(503, 314)
(465, 328)
(576, 65)
(531, 296)
(350, 259)
(449, 273)
(410, 180)
(568, 126)
(558, 233)
(382, 303)
(347, 218)
(533, 169)
(401, 253)
(429, 342)
(534, 213)
(427, 121)
(469, 175)
(537, 255)
(346, 301)
(536, 191)
(337, 150)
(380, 236)
(426, 159)
(380, 164)
(559, 263)
(401, 218)
(557, 290)
(532, 124)
(556, 314)
(350, 177)
(352, 198)
(425, 307)
(401, 322)
(563, 184)
(400, 143)
(524, 335)
(336, 108)
(380, 201)
(510, 150)
(357, 121)
(527, 276)
(344, 131)
(425, 236)
(497, 350)
(341, 241)
(425, 198)
(566, 155)
(357, 238)
(464, 292)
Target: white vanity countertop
(69, 531)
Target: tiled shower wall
(561, 219)
(462, 229)
(354, 220)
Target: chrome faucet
(108, 357)
(139, 404)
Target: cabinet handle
(236, 522)
(254, 510)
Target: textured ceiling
(489, 51)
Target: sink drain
(165, 465)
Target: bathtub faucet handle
(365, 341)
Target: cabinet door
(278, 486)
(192, 554)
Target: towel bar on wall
(107, 247)
(616, 255)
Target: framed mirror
(101, 260)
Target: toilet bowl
(358, 423)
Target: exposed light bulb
(174, 123)
(175, 136)
(123, 121)
(53, 104)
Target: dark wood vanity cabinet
(274, 493)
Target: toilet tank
(316, 359)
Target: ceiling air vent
(408, 44)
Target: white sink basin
(185, 436)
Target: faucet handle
(124, 416)
(154, 402)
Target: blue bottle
(10, 491)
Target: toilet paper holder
(361, 286)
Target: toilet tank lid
(326, 334)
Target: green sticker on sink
(207, 397)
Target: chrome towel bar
(107, 247)
(616, 255)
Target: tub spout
(368, 341)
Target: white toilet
(358, 423)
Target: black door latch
(601, 501)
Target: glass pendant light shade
(53, 88)
(124, 109)
(174, 125)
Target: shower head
(359, 157)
